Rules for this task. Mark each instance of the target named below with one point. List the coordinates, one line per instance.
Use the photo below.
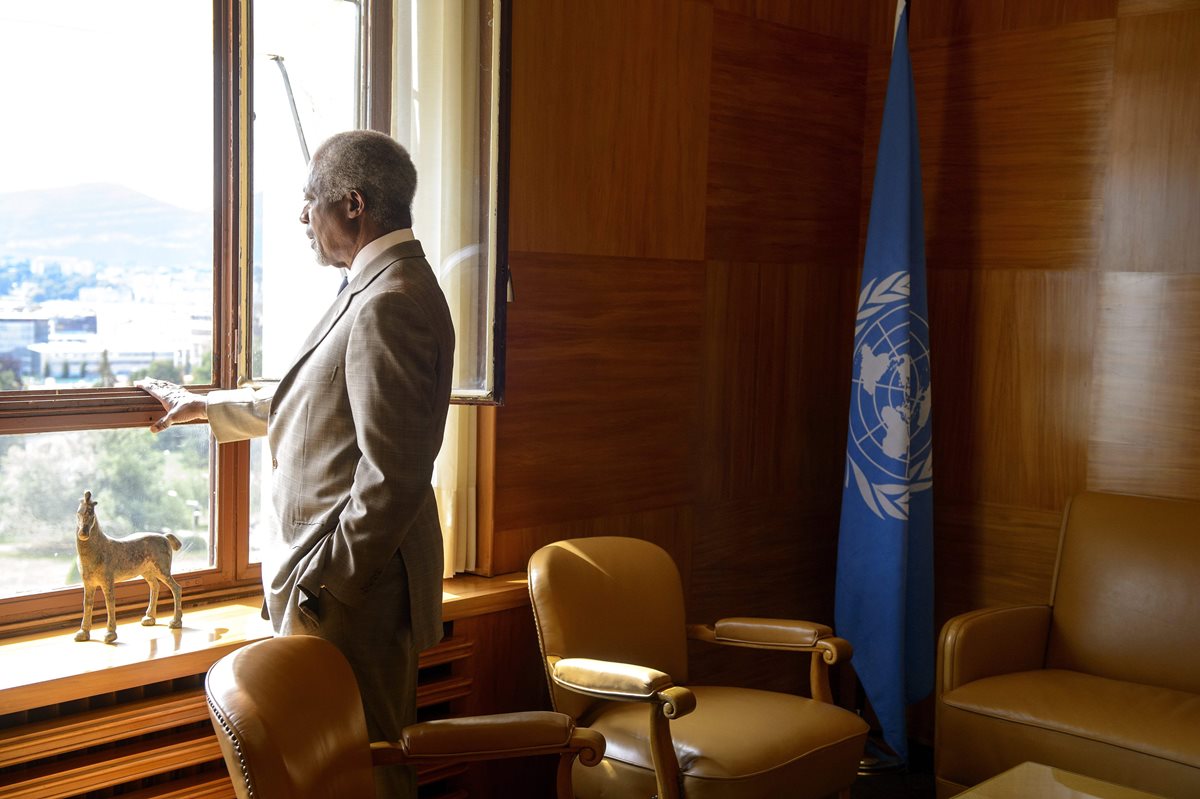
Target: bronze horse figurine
(104, 561)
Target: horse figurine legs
(149, 620)
(110, 603)
(85, 626)
(153, 577)
(89, 601)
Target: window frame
(68, 410)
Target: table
(1045, 782)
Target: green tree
(10, 374)
(160, 368)
(189, 447)
(140, 484)
(129, 483)
(107, 378)
(42, 478)
(203, 371)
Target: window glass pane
(141, 481)
(305, 89)
(304, 54)
(106, 190)
(445, 111)
(261, 514)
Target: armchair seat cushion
(776, 743)
(1120, 731)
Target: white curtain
(436, 114)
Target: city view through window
(106, 191)
(106, 249)
(106, 266)
(101, 285)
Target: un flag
(884, 596)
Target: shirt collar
(377, 247)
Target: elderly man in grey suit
(354, 426)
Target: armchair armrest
(627, 682)
(490, 737)
(992, 641)
(790, 635)
(501, 735)
(785, 634)
(622, 682)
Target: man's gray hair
(373, 163)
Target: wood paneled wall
(689, 185)
(684, 233)
(1061, 149)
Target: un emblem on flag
(891, 444)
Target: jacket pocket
(317, 373)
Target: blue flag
(884, 598)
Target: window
(149, 227)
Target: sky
(138, 61)
(121, 91)
(132, 85)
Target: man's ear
(356, 204)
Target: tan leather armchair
(1102, 681)
(289, 719)
(610, 621)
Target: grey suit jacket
(354, 426)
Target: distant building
(18, 331)
(79, 361)
(105, 294)
(73, 326)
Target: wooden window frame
(69, 410)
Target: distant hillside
(104, 223)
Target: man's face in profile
(326, 225)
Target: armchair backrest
(1126, 591)
(289, 719)
(608, 598)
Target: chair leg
(662, 751)
(563, 785)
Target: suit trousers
(376, 639)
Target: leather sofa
(1105, 679)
